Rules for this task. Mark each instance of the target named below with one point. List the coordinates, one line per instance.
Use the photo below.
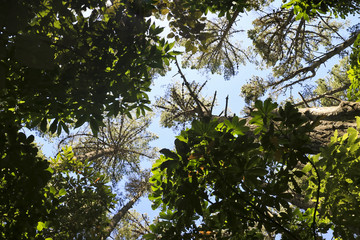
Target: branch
(96, 154)
(316, 64)
(213, 102)
(228, 27)
(331, 92)
(199, 104)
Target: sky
(231, 88)
(224, 88)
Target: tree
(61, 67)
(283, 170)
(84, 198)
(240, 183)
(101, 61)
(64, 64)
(115, 152)
(178, 107)
(23, 177)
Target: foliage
(354, 72)
(311, 7)
(64, 64)
(287, 43)
(340, 192)
(230, 179)
(252, 91)
(178, 106)
(133, 226)
(85, 199)
(23, 176)
(207, 41)
(119, 146)
(238, 184)
(58, 64)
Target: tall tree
(116, 152)
(231, 180)
(283, 170)
(65, 63)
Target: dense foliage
(242, 184)
(88, 65)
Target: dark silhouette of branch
(201, 107)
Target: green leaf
(43, 124)
(181, 147)
(94, 126)
(62, 192)
(169, 164)
(53, 126)
(81, 121)
(169, 154)
(40, 226)
(307, 168)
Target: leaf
(169, 164)
(41, 226)
(94, 126)
(307, 168)
(169, 154)
(62, 192)
(53, 126)
(43, 124)
(81, 121)
(34, 51)
(188, 46)
(181, 147)
(164, 11)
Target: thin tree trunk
(121, 213)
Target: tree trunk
(121, 213)
(96, 154)
(338, 118)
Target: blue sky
(217, 83)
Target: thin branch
(213, 102)
(199, 104)
(226, 104)
(343, 88)
(336, 32)
(304, 101)
(316, 64)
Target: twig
(226, 104)
(317, 197)
(304, 101)
(199, 104)
(334, 98)
(213, 102)
(321, 18)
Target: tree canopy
(85, 68)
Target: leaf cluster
(232, 181)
